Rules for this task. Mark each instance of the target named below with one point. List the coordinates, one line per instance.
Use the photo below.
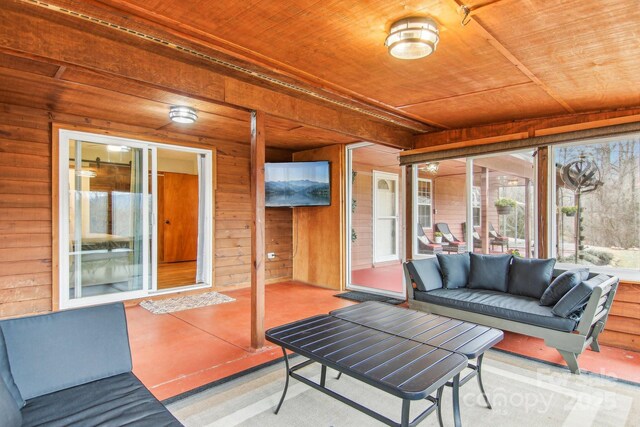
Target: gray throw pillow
(425, 273)
(5, 373)
(489, 272)
(577, 297)
(455, 270)
(530, 277)
(10, 415)
(563, 284)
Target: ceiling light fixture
(431, 168)
(412, 38)
(181, 114)
(118, 148)
(84, 173)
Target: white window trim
(417, 205)
(63, 219)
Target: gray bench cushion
(10, 415)
(498, 304)
(55, 351)
(5, 373)
(425, 273)
(115, 401)
(578, 296)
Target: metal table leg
(456, 401)
(323, 375)
(405, 413)
(439, 407)
(479, 365)
(286, 384)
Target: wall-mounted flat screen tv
(297, 184)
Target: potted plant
(569, 210)
(505, 205)
(515, 253)
(437, 236)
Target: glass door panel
(109, 243)
(386, 217)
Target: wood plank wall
(623, 326)
(25, 212)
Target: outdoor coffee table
(446, 333)
(406, 368)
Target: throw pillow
(530, 277)
(577, 297)
(10, 415)
(425, 273)
(5, 373)
(455, 270)
(489, 272)
(563, 284)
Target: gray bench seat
(498, 304)
(117, 400)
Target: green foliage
(437, 234)
(505, 202)
(569, 210)
(354, 235)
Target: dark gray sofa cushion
(5, 373)
(115, 401)
(498, 304)
(577, 297)
(10, 415)
(455, 270)
(530, 277)
(490, 272)
(425, 273)
(563, 284)
(59, 350)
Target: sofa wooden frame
(569, 344)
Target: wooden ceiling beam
(477, 25)
(63, 39)
(457, 138)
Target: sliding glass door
(110, 234)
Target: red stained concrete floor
(388, 278)
(175, 353)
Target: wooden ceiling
(514, 60)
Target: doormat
(171, 305)
(363, 296)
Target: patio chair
(477, 240)
(453, 244)
(426, 246)
(496, 239)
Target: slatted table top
(400, 366)
(442, 332)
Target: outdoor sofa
(568, 309)
(73, 368)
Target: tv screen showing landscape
(297, 184)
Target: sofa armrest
(59, 350)
(598, 305)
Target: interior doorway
(375, 222)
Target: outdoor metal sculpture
(580, 176)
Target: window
(475, 204)
(597, 203)
(424, 203)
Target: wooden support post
(542, 241)
(257, 228)
(484, 209)
(410, 221)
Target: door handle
(166, 221)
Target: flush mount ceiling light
(412, 38)
(84, 173)
(181, 114)
(118, 148)
(431, 168)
